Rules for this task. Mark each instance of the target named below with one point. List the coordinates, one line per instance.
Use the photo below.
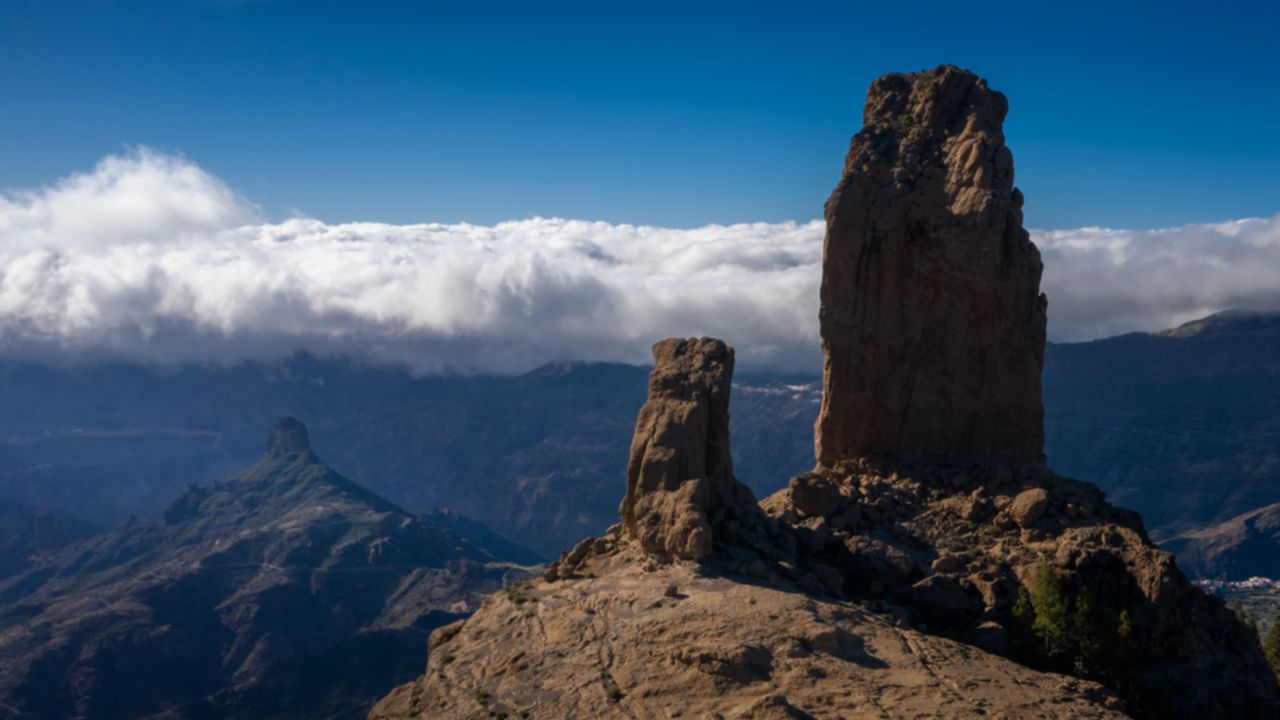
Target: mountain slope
(1183, 426)
(535, 456)
(1243, 547)
(283, 591)
(24, 532)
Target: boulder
(1028, 506)
(814, 495)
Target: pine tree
(1052, 612)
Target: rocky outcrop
(672, 642)
(932, 321)
(929, 566)
(680, 476)
(798, 643)
(288, 437)
(958, 558)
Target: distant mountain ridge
(1226, 321)
(282, 591)
(1243, 547)
(1182, 425)
(98, 443)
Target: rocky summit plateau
(929, 564)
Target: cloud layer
(148, 257)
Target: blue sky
(1123, 114)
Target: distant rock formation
(680, 476)
(932, 320)
(289, 436)
(283, 591)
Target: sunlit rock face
(680, 476)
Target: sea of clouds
(148, 257)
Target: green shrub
(514, 594)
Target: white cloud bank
(148, 257)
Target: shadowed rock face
(289, 436)
(680, 471)
(932, 320)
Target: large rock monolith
(932, 320)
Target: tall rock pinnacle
(932, 320)
(289, 436)
(680, 473)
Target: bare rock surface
(932, 321)
(1028, 505)
(681, 473)
(618, 646)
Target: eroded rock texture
(680, 472)
(674, 643)
(932, 320)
